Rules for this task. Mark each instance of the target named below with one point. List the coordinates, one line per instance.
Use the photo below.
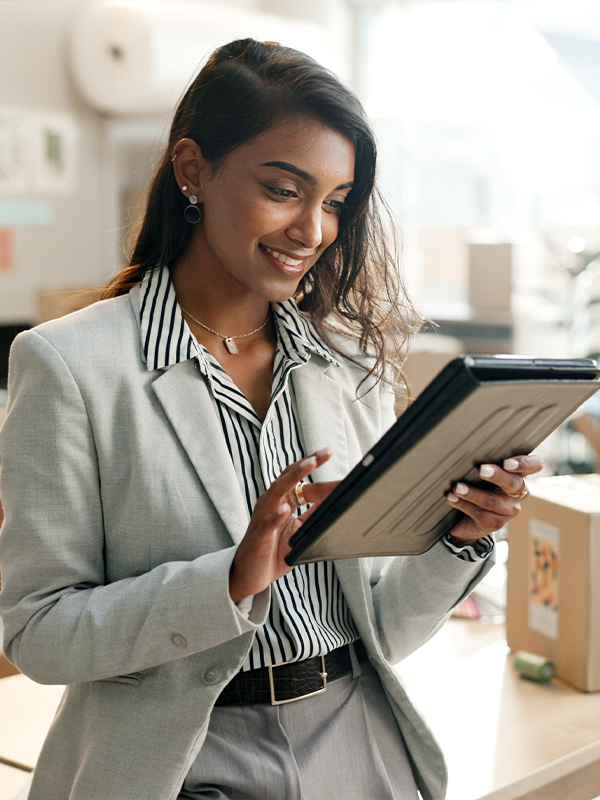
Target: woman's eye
(335, 205)
(283, 193)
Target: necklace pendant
(231, 346)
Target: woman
(162, 445)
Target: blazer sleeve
(63, 623)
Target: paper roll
(136, 57)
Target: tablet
(479, 409)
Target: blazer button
(178, 640)
(212, 675)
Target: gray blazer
(123, 513)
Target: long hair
(245, 88)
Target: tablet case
(477, 410)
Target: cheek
(253, 218)
(229, 209)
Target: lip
(290, 270)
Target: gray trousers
(344, 744)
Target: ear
(190, 168)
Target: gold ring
(299, 492)
(520, 495)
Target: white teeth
(291, 262)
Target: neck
(218, 303)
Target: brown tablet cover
(477, 410)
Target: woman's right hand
(260, 556)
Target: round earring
(193, 213)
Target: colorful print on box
(543, 578)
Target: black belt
(284, 683)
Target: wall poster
(37, 152)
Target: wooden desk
(26, 712)
(28, 709)
(504, 737)
(11, 781)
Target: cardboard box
(421, 368)
(490, 275)
(553, 596)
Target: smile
(291, 262)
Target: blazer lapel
(320, 408)
(187, 403)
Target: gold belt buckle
(275, 702)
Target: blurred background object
(488, 119)
(134, 57)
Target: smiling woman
(254, 209)
(162, 446)
(275, 92)
(265, 223)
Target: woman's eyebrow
(300, 173)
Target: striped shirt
(309, 615)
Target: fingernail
(326, 451)
(460, 488)
(486, 471)
(452, 497)
(511, 463)
(283, 509)
(311, 461)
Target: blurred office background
(487, 114)
(488, 118)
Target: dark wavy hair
(245, 88)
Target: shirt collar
(167, 339)
(302, 332)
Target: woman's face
(272, 208)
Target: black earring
(193, 212)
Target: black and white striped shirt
(309, 615)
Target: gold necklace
(228, 341)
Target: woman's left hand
(487, 511)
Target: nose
(307, 227)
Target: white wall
(34, 75)
(81, 246)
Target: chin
(279, 294)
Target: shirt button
(212, 675)
(178, 640)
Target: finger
(321, 456)
(494, 502)
(282, 488)
(291, 475)
(288, 529)
(523, 465)
(317, 492)
(330, 486)
(510, 483)
(485, 520)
